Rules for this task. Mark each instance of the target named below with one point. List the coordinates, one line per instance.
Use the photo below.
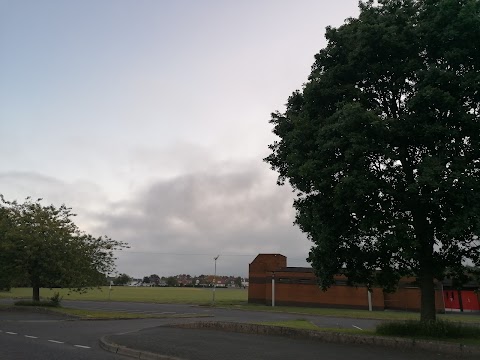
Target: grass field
(172, 295)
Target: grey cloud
(83, 196)
(178, 225)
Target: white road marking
(56, 342)
(82, 346)
(11, 333)
(356, 327)
(30, 337)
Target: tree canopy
(121, 279)
(382, 146)
(41, 246)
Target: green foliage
(429, 329)
(382, 146)
(41, 246)
(172, 281)
(121, 279)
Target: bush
(56, 299)
(439, 329)
(53, 301)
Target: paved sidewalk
(204, 344)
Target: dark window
(305, 281)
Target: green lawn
(142, 294)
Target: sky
(150, 119)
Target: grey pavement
(204, 344)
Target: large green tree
(382, 145)
(42, 246)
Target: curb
(332, 337)
(107, 345)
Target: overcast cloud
(150, 119)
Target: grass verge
(111, 315)
(96, 315)
(41, 303)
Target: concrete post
(369, 295)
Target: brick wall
(298, 287)
(258, 269)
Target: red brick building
(298, 287)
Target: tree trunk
(36, 293)
(428, 311)
(425, 238)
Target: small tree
(155, 279)
(42, 246)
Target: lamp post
(273, 288)
(215, 279)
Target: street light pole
(215, 278)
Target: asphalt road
(210, 344)
(40, 336)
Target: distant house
(134, 282)
(220, 283)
